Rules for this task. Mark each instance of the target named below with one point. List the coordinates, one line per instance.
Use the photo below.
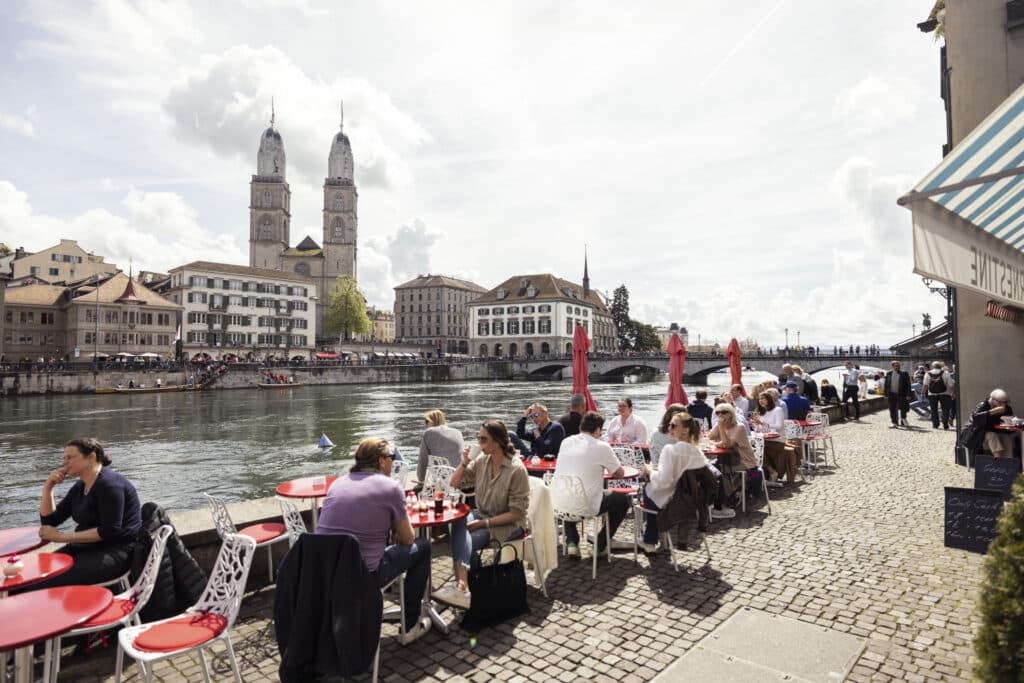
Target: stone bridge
(698, 365)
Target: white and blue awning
(968, 212)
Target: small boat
(282, 385)
(324, 443)
(150, 390)
(101, 390)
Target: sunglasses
(722, 412)
(389, 456)
(676, 425)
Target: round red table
(19, 540)
(541, 467)
(313, 488)
(424, 522)
(715, 452)
(38, 568)
(768, 435)
(32, 617)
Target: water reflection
(241, 444)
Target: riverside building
(528, 315)
(243, 311)
(270, 220)
(65, 262)
(76, 321)
(433, 310)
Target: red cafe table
(19, 540)
(38, 568)
(37, 616)
(313, 488)
(549, 466)
(424, 522)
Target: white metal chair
(209, 620)
(794, 431)
(629, 456)
(294, 525)
(569, 501)
(265, 534)
(122, 582)
(438, 479)
(400, 471)
(124, 610)
(757, 442)
(532, 523)
(818, 438)
(437, 461)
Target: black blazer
(904, 392)
(327, 609)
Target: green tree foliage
(646, 337)
(346, 310)
(625, 333)
(999, 645)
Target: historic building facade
(432, 309)
(242, 310)
(270, 219)
(64, 262)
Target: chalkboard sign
(971, 518)
(996, 475)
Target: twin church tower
(270, 218)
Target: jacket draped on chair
(695, 491)
(180, 581)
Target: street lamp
(787, 338)
(798, 339)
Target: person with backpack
(937, 387)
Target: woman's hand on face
(57, 476)
(465, 456)
(49, 533)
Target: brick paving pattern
(858, 549)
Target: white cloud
(871, 199)
(154, 230)
(396, 258)
(874, 102)
(224, 103)
(18, 124)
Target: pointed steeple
(129, 296)
(271, 111)
(341, 121)
(586, 274)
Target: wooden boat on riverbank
(280, 385)
(142, 390)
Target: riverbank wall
(245, 377)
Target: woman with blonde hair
(675, 459)
(440, 440)
(729, 434)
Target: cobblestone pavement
(858, 549)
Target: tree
(999, 643)
(625, 332)
(646, 338)
(346, 309)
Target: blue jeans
(465, 544)
(414, 560)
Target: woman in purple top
(106, 511)
(369, 505)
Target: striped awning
(982, 179)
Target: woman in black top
(105, 508)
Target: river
(241, 444)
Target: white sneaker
(724, 513)
(416, 632)
(452, 595)
(649, 548)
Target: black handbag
(497, 591)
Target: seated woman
(106, 511)
(502, 488)
(626, 428)
(728, 433)
(660, 437)
(778, 459)
(674, 459)
(438, 439)
(829, 394)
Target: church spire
(341, 123)
(586, 274)
(271, 111)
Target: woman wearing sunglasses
(502, 487)
(729, 434)
(675, 459)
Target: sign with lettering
(949, 249)
(996, 474)
(971, 516)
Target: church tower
(269, 202)
(340, 213)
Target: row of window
(542, 308)
(411, 332)
(244, 338)
(29, 317)
(126, 339)
(420, 308)
(245, 286)
(222, 301)
(41, 340)
(497, 328)
(129, 317)
(454, 320)
(64, 258)
(448, 295)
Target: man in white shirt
(626, 427)
(739, 400)
(851, 389)
(588, 458)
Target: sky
(735, 165)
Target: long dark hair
(673, 409)
(499, 432)
(769, 399)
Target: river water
(241, 444)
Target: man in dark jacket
(699, 408)
(897, 392)
(571, 420)
(990, 413)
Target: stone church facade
(270, 219)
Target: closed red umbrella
(735, 367)
(580, 366)
(676, 362)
